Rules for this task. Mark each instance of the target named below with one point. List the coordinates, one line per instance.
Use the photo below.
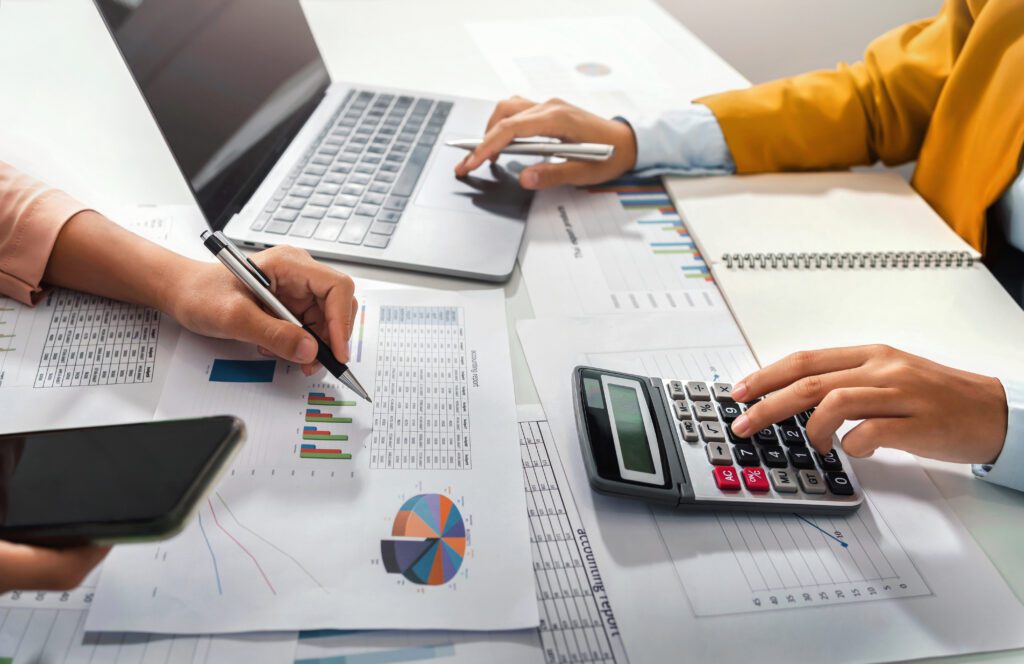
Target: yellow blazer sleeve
(878, 108)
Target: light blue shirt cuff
(688, 141)
(1008, 469)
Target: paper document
(614, 248)
(406, 513)
(89, 359)
(50, 627)
(577, 615)
(610, 65)
(902, 570)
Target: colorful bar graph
(314, 415)
(308, 451)
(242, 371)
(322, 399)
(312, 433)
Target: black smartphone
(108, 484)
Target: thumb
(279, 337)
(543, 176)
(863, 439)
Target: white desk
(71, 114)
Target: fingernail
(306, 352)
(530, 179)
(739, 390)
(741, 425)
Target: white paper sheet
(577, 615)
(50, 627)
(611, 65)
(613, 249)
(79, 360)
(679, 580)
(293, 542)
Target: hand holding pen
(211, 301)
(519, 118)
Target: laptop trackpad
(491, 189)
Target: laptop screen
(229, 82)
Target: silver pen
(256, 281)
(546, 147)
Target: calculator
(669, 441)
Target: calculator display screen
(629, 425)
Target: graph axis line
(213, 556)
(269, 543)
(241, 546)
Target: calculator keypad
(775, 459)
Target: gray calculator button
(712, 432)
(705, 411)
(697, 391)
(811, 481)
(688, 430)
(782, 480)
(675, 389)
(681, 410)
(718, 454)
(722, 391)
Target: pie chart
(433, 540)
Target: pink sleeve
(31, 216)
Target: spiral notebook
(833, 259)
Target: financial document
(87, 358)
(617, 248)
(577, 615)
(50, 627)
(900, 575)
(406, 513)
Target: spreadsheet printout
(304, 532)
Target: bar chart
(318, 440)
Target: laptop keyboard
(354, 184)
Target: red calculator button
(755, 479)
(726, 478)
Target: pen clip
(246, 262)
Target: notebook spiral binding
(853, 260)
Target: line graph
(241, 546)
(213, 556)
(750, 561)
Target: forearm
(95, 255)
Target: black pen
(256, 281)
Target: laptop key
(355, 229)
(279, 227)
(304, 192)
(334, 178)
(308, 181)
(294, 203)
(328, 230)
(379, 187)
(390, 216)
(328, 189)
(384, 177)
(373, 199)
(411, 173)
(313, 212)
(261, 221)
(353, 189)
(321, 200)
(340, 212)
(284, 214)
(359, 178)
(347, 200)
(396, 203)
(368, 210)
(375, 241)
(304, 227)
(382, 227)
(315, 170)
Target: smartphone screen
(109, 475)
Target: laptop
(277, 153)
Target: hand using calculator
(906, 402)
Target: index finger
(508, 107)
(536, 121)
(799, 365)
